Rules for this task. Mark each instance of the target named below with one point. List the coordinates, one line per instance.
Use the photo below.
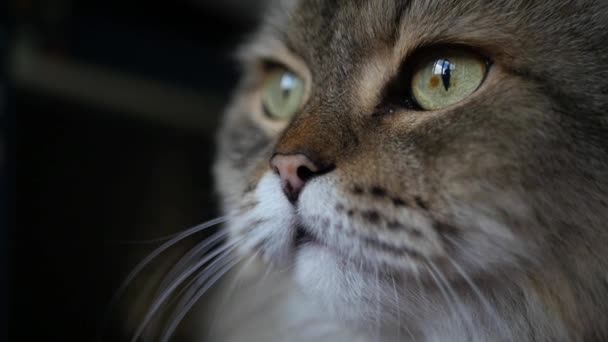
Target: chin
(344, 289)
(318, 273)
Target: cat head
(375, 146)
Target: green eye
(448, 79)
(283, 94)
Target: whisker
(441, 289)
(442, 281)
(419, 284)
(143, 242)
(491, 310)
(142, 264)
(236, 281)
(198, 251)
(316, 329)
(396, 295)
(177, 282)
(422, 298)
(204, 275)
(211, 281)
(484, 301)
(266, 273)
(377, 290)
(257, 304)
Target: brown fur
(527, 153)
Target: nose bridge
(321, 136)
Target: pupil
(286, 85)
(444, 68)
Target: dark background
(108, 117)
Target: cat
(421, 170)
(428, 170)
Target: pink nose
(295, 170)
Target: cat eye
(282, 94)
(447, 79)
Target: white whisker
(197, 252)
(460, 309)
(142, 264)
(236, 282)
(200, 250)
(177, 282)
(377, 292)
(211, 281)
(204, 275)
(442, 290)
(398, 308)
(491, 310)
(484, 301)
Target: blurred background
(108, 113)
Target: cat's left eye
(448, 78)
(282, 94)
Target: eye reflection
(282, 94)
(287, 84)
(444, 68)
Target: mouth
(305, 240)
(304, 237)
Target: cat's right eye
(282, 94)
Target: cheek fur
(267, 224)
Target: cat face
(381, 146)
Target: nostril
(304, 173)
(294, 170)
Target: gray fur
(511, 185)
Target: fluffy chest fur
(470, 220)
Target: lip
(304, 237)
